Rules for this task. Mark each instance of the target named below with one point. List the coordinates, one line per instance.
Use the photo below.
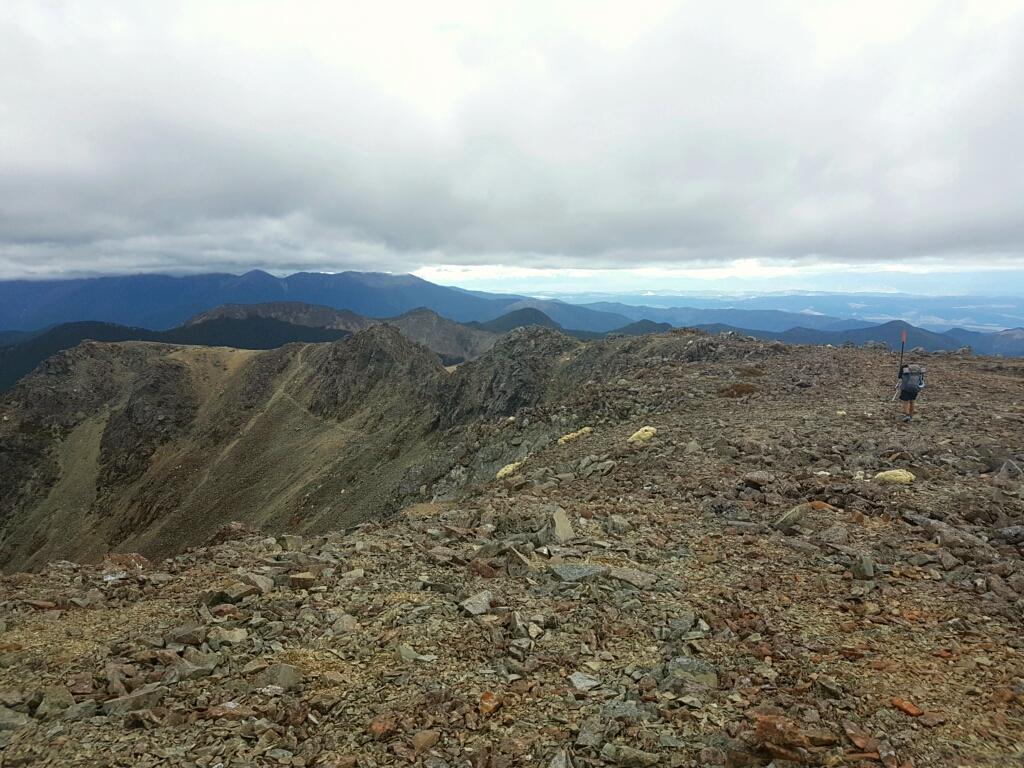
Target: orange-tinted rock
(781, 731)
(424, 740)
(905, 706)
(383, 725)
(482, 568)
(490, 703)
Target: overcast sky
(731, 137)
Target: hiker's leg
(911, 411)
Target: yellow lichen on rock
(900, 476)
(644, 433)
(508, 470)
(573, 435)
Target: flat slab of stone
(478, 604)
(583, 682)
(225, 636)
(263, 583)
(638, 579)
(576, 571)
(304, 580)
(694, 669)
(146, 697)
(284, 676)
(12, 721)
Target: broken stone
(561, 527)
(478, 604)
(758, 479)
(12, 721)
(303, 580)
(284, 676)
(264, 584)
(863, 567)
(694, 669)
(225, 636)
(576, 571)
(56, 699)
(792, 518)
(146, 697)
(628, 756)
(583, 681)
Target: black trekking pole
(903, 343)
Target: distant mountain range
(160, 302)
(274, 324)
(761, 319)
(1009, 343)
(46, 316)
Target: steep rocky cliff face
(151, 446)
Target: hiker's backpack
(912, 379)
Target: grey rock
(1011, 535)
(290, 543)
(691, 448)
(576, 571)
(836, 534)
(225, 636)
(694, 669)
(591, 733)
(561, 527)
(627, 756)
(863, 567)
(285, 676)
(146, 697)
(263, 583)
(792, 518)
(12, 721)
(583, 681)
(87, 709)
(478, 604)
(56, 699)
(758, 479)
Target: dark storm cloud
(323, 137)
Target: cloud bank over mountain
(190, 137)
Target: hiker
(911, 384)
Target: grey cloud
(711, 137)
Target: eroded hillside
(149, 447)
(715, 551)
